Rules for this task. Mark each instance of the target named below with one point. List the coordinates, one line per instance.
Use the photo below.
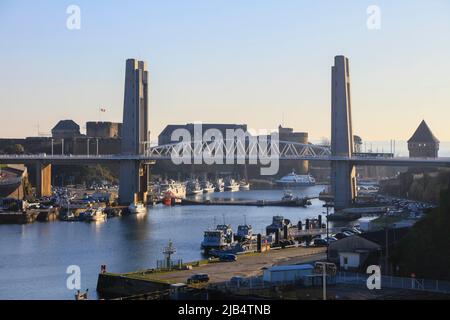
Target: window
(345, 260)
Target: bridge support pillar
(43, 180)
(343, 177)
(133, 174)
(344, 184)
(133, 182)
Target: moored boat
(137, 208)
(96, 214)
(193, 188)
(231, 185)
(207, 186)
(244, 232)
(219, 185)
(244, 185)
(296, 180)
(214, 239)
(177, 189)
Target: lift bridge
(136, 154)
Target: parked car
(348, 230)
(348, 233)
(330, 239)
(340, 235)
(320, 242)
(228, 258)
(198, 278)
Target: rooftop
(291, 267)
(423, 134)
(66, 125)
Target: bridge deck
(356, 160)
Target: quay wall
(112, 286)
(18, 217)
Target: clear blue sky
(255, 62)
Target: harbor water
(34, 258)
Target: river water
(34, 257)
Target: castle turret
(423, 143)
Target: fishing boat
(214, 239)
(219, 185)
(174, 188)
(296, 180)
(137, 208)
(244, 185)
(244, 232)
(207, 186)
(96, 214)
(68, 216)
(231, 185)
(193, 188)
(278, 224)
(227, 231)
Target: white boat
(219, 238)
(244, 232)
(214, 239)
(296, 180)
(193, 188)
(231, 185)
(136, 208)
(227, 231)
(208, 187)
(244, 185)
(173, 188)
(68, 216)
(96, 214)
(219, 185)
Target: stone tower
(423, 143)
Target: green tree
(425, 250)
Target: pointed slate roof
(66, 125)
(423, 134)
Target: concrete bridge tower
(343, 175)
(133, 174)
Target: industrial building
(287, 273)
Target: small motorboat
(137, 207)
(97, 214)
(244, 185)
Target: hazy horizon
(262, 63)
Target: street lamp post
(323, 266)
